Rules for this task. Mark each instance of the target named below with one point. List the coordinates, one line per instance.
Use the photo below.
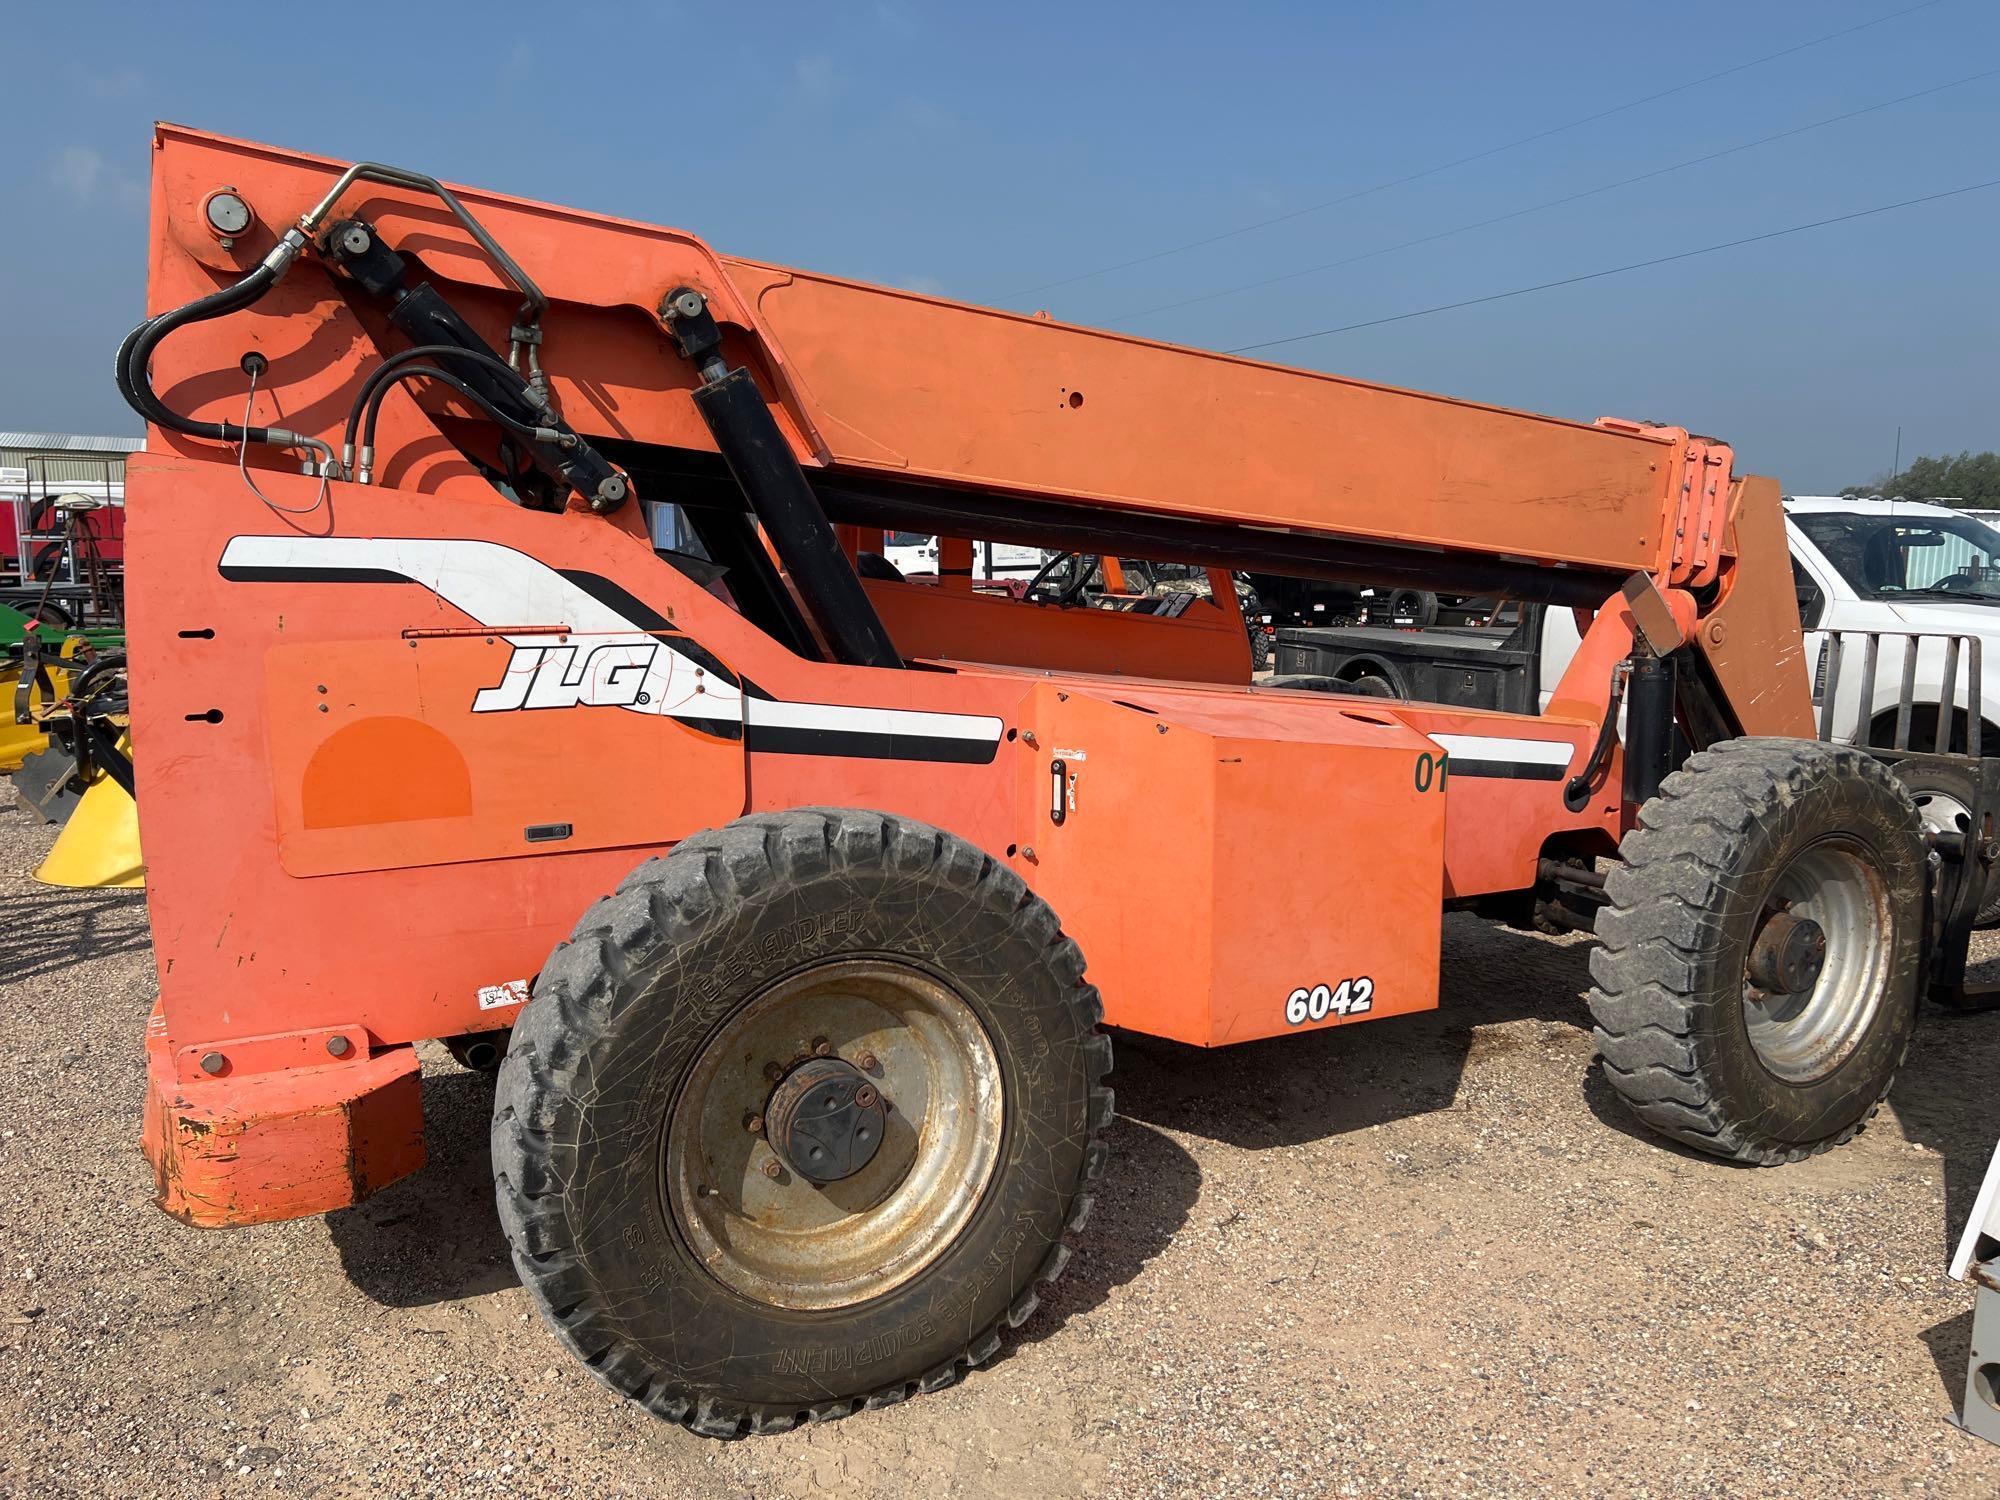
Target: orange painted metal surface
(874, 379)
(380, 759)
(1749, 634)
(390, 748)
(258, 1147)
(1186, 850)
(1205, 644)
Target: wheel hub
(1787, 955)
(792, 1069)
(824, 1119)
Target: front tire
(1716, 1019)
(792, 985)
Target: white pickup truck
(1900, 568)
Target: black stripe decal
(868, 744)
(722, 729)
(1510, 770)
(618, 599)
(252, 573)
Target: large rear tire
(798, 1117)
(1758, 974)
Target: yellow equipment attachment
(98, 848)
(19, 741)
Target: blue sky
(981, 151)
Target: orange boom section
(876, 379)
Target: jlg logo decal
(618, 671)
(1351, 997)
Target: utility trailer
(777, 883)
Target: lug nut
(867, 1062)
(822, 1047)
(774, 1071)
(865, 1096)
(753, 1122)
(771, 1168)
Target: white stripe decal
(774, 714)
(496, 585)
(1483, 747)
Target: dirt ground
(1425, 1256)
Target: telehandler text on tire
(1351, 997)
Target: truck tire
(792, 985)
(1944, 795)
(1370, 685)
(1413, 607)
(1260, 647)
(1717, 1020)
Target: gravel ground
(1424, 1256)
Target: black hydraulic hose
(87, 682)
(382, 372)
(432, 372)
(135, 356)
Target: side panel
(390, 936)
(401, 752)
(1211, 876)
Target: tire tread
(1663, 916)
(662, 900)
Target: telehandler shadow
(1148, 1192)
(435, 1236)
(1288, 1090)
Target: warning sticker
(499, 996)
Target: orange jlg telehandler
(767, 878)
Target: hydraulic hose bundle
(476, 374)
(135, 356)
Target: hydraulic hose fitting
(610, 493)
(284, 253)
(320, 465)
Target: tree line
(1970, 479)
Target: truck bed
(1466, 666)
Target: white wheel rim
(1806, 1036)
